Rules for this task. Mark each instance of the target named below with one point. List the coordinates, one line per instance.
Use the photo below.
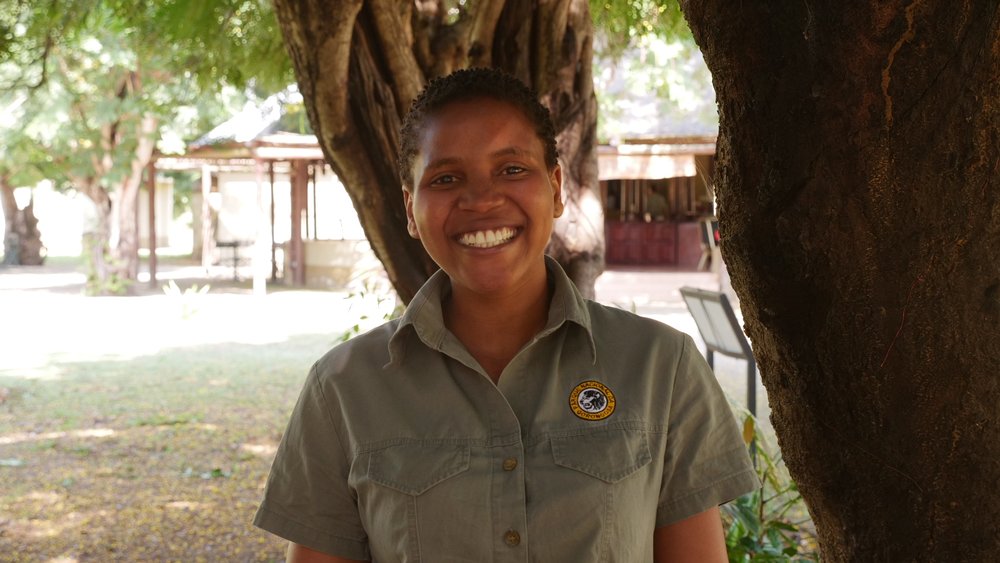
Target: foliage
(187, 298)
(660, 88)
(235, 42)
(649, 75)
(771, 523)
(94, 253)
(623, 22)
(373, 300)
(92, 85)
(71, 68)
(102, 74)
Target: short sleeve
(706, 461)
(307, 499)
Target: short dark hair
(464, 85)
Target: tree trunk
(126, 252)
(126, 249)
(102, 275)
(859, 155)
(31, 250)
(385, 51)
(22, 242)
(11, 240)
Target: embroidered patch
(592, 400)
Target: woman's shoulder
(617, 329)
(362, 354)
(610, 318)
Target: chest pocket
(606, 487)
(609, 455)
(416, 467)
(411, 494)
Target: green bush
(771, 523)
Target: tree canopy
(93, 86)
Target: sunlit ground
(142, 428)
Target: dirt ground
(142, 428)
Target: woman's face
(483, 201)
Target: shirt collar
(424, 318)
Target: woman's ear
(555, 178)
(411, 225)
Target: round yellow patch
(592, 400)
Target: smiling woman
(425, 438)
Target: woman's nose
(481, 195)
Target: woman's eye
(445, 179)
(513, 169)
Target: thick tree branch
(484, 23)
(407, 78)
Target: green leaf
(749, 430)
(779, 525)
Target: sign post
(721, 332)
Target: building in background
(658, 124)
(658, 202)
(267, 196)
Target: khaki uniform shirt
(603, 427)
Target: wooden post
(274, 263)
(259, 257)
(207, 237)
(151, 190)
(315, 206)
(299, 212)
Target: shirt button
(510, 464)
(512, 538)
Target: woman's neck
(495, 328)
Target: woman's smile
(489, 238)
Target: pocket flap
(415, 467)
(609, 455)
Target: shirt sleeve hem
(301, 534)
(719, 492)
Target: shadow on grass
(160, 457)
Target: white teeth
(487, 239)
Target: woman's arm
(302, 554)
(698, 539)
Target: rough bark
(359, 63)
(858, 162)
(22, 241)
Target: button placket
(508, 492)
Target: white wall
(164, 207)
(336, 218)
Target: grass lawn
(142, 428)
